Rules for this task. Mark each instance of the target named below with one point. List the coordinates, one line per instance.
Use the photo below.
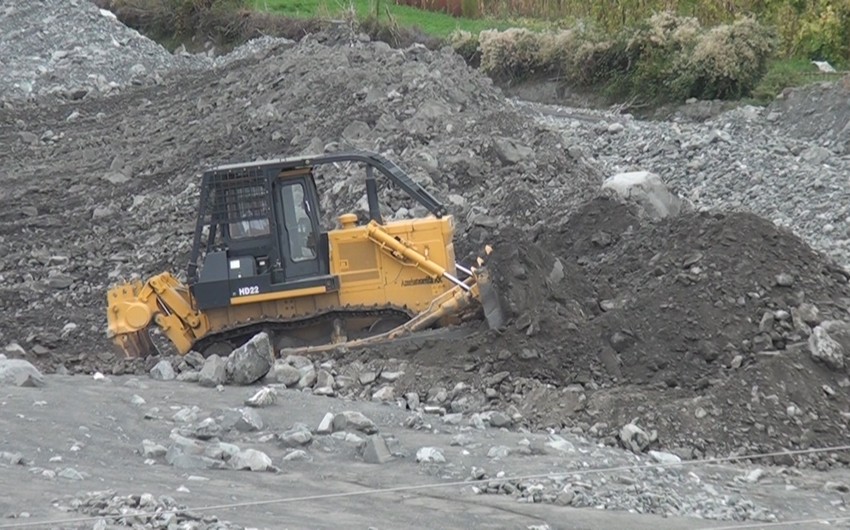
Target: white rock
(430, 455)
(645, 189)
(251, 459)
(664, 458)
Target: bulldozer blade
(136, 345)
(490, 301)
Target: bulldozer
(261, 261)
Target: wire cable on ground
(396, 489)
(780, 524)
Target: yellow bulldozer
(260, 261)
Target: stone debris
(213, 372)
(163, 371)
(430, 455)
(141, 511)
(262, 398)
(326, 426)
(635, 439)
(153, 450)
(248, 420)
(250, 362)
(253, 460)
(375, 450)
(826, 349)
(18, 372)
(299, 435)
(351, 419)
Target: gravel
(749, 158)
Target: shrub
(727, 61)
(465, 44)
(825, 35)
(510, 54)
(554, 50)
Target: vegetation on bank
(659, 58)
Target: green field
(436, 24)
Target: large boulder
(19, 372)
(250, 362)
(826, 349)
(647, 191)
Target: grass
(436, 24)
(785, 73)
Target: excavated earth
(692, 331)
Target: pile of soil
(695, 326)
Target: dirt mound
(817, 112)
(104, 189)
(696, 326)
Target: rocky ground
(125, 445)
(715, 325)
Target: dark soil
(655, 322)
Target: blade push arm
(161, 300)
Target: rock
(664, 458)
(634, 438)
(510, 152)
(285, 374)
(251, 361)
(213, 372)
(297, 455)
(19, 372)
(367, 378)
(559, 444)
(375, 450)
(324, 379)
(137, 400)
(807, 314)
(163, 371)
(386, 393)
(498, 419)
(351, 419)
(391, 376)
(71, 474)
(838, 331)
(825, 349)
(497, 451)
(326, 425)
(249, 421)
(645, 189)
(152, 450)
(191, 376)
(784, 280)
(262, 398)
(13, 459)
(221, 451)
(412, 399)
(297, 436)
(207, 429)
(430, 455)
(186, 414)
(298, 361)
(251, 459)
(308, 377)
(815, 155)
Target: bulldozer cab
(258, 230)
(261, 224)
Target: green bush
(465, 44)
(511, 54)
(727, 62)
